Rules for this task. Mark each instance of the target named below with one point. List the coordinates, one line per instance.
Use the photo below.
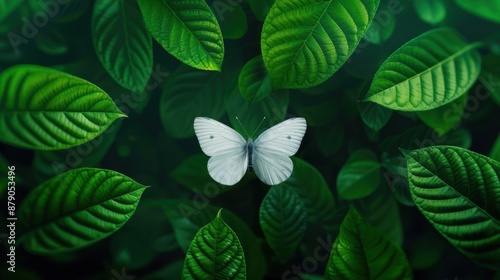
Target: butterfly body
(231, 156)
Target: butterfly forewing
(217, 138)
(273, 148)
(228, 168)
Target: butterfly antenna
(258, 127)
(242, 126)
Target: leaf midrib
(467, 48)
(77, 210)
(127, 43)
(448, 186)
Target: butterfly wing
(225, 146)
(273, 149)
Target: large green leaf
(283, 219)
(431, 11)
(253, 82)
(122, 42)
(188, 216)
(189, 93)
(311, 186)
(362, 252)
(429, 71)
(486, 9)
(76, 209)
(359, 176)
(187, 29)
(215, 253)
(458, 191)
(305, 42)
(447, 117)
(42, 108)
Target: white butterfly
(269, 155)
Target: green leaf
(61, 11)
(44, 109)
(495, 150)
(429, 71)
(187, 216)
(458, 191)
(283, 219)
(187, 30)
(381, 30)
(445, 118)
(273, 107)
(7, 7)
(314, 192)
(381, 210)
(260, 8)
(51, 41)
(486, 9)
(305, 42)
(362, 252)
(76, 209)
(231, 17)
(189, 93)
(215, 253)
(374, 115)
(431, 11)
(253, 82)
(359, 176)
(122, 42)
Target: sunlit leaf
(45, 109)
(76, 209)
(362, 252)
(458, 191)
(260, 8)
(122, 42)
(486, 9)
(283, 219)
(215, 253)
(311, 186)
(359, 176)
(253, 82)
(429, 71)
(445, 118)
(305, 42)
(431, 11)
(189, 93)
(187, 30)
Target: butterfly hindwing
(273, 149)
